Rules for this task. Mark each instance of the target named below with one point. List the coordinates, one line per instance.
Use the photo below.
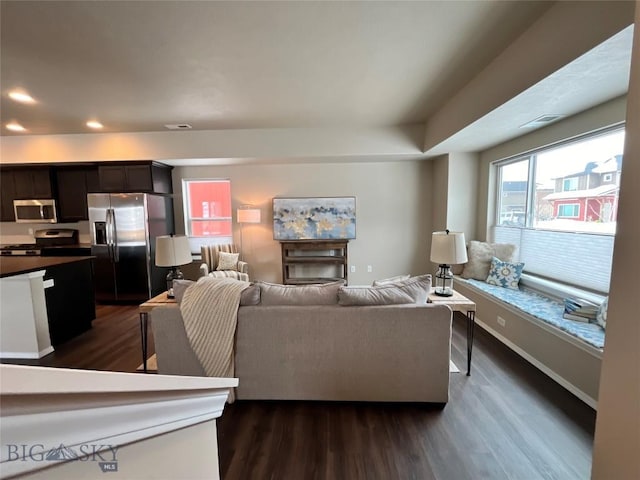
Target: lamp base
(174, 274)
(443, 293)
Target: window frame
(563, 286)
(196, 241)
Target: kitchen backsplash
(12, 233)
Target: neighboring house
(589, 195)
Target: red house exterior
(590, 195)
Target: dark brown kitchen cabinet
(7, 195)
(33, 183)
(74, 183)
(148, 177)
(23, 184)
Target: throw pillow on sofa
(411, 290)
(227, 261)
(277, 294)
(387, 281)
(249, 296)
(374, 295)
(505, 274)
(417, 288)
(480, 255)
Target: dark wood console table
(328, 253)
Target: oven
(61, 242)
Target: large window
(559, 205)
(207, 211)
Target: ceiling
(137, 66)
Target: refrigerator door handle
(114, 236)
(109, 234)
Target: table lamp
(172, 251)
(447, 248)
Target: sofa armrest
(204, 270)
(173, 350)
(243, 267)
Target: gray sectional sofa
(386, 353)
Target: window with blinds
(559, 205)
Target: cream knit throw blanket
(210, 312)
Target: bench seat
(543, 308)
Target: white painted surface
(617, 438)
(238, 65)
(563, 33)
(184, 454)
(24, 326)
(76, 408)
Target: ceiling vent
(542, 120)
(178, 126)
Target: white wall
(617, 439)
(12, 233)
(393, 211)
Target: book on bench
(576, 318)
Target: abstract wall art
(314, 218)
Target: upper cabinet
(73, 185)
(70, 184)
(149, 177)
(23, 183)
(31, 183)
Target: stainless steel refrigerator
(124, 227)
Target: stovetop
(21, 249)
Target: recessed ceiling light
(21, 96)
(94, 124)
(178, 126)
(15, 127)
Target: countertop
(18, 264)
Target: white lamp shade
(248, 215)
(172, 251)
(448, 248)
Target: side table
(161, 300)
(460, 303)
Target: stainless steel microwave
(35, 211)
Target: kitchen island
(45, 301)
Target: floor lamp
(246, 214)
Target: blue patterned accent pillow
(505, 274)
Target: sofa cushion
(505, 274)
(480, 255)
(375, 295)
(386, 281)
(227, 261)
(249, 296)
(179, 287)
(417, 288)
(277, 294)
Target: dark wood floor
(506, 421)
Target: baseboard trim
(26, 355)
(19, 355)
(593, 403)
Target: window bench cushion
(543, 308)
